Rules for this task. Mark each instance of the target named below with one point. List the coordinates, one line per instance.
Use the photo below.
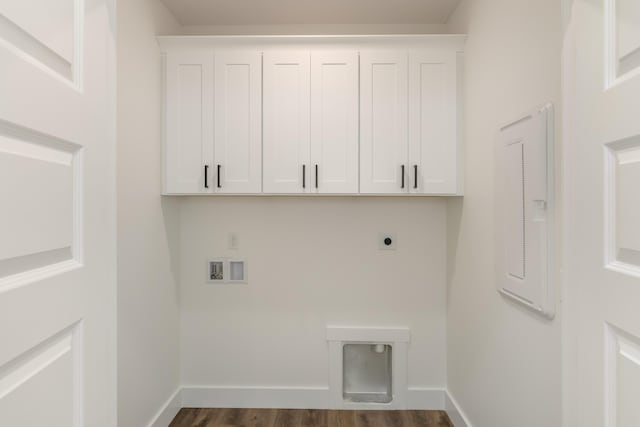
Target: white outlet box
(233, 240)
(387, 241)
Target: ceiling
(285, 12)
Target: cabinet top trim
(450, 41)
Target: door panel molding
(53, 368)
(622, 231)
(622, 377)
(622, 41)
(46, 214)
(60, 56)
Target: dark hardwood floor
(194, 417)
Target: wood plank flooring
(194, 417)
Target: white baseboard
(293, 398)
(255, 397)
(168, 411)
(426, 399)
(457, 417)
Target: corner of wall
(456, 415)
(168, 411)
(148, 312)
(458, 22)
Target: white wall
(147, 274)
(504, 363)
(312, 262)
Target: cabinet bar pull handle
(206, 176)
(415, 176)
(402, 170)
(219, 184)
(316, 176)
(304, 176)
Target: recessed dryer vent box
(227, 270)
(366, 370)
(368, 367)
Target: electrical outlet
(387, 242)
(233, 240)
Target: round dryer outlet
(387, 241)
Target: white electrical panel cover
(525, 211)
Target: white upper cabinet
(433, 139)
(238, 123)
(383, 123)
(188, 153)
(334, 122)
(313, 115)
(213, 125)
(310, 122)
(408, 140)
(286, 131)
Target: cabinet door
(334, 122)
(188, 149)
(432, 122)
(383, 123)
(286, 131)
(238, 123)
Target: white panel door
(57, 213)
(383, 123)
(238, 122)
(286, 132)
(334, 122)
(602, 203)
(188, 151)
(433, 153)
